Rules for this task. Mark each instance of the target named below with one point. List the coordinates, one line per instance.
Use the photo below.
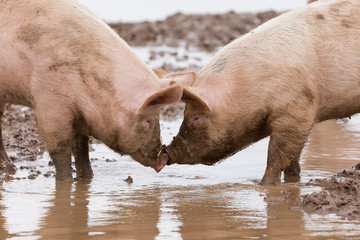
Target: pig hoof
(65, 179)
(291, 178)
(269, 181)
(292, 170)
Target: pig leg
(61, 157)
(55, 125)
(5, 164)
(80, 149)
(293, 169)
(284, 152)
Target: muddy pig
(82, 80)
(292, 72)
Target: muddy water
(181, 202)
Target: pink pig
(292, 72)
(82, 80)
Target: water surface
(181, 202)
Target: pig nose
(159, 168)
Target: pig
(278, 80)
(82, 80)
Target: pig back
(307, 56)
(42, 40)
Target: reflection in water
(328, 226)
(136, 216)
(132, 217)
(67, 215)
(220, 212)
(23, 207)
(3, 231)
(284, 217)
(333, 145)
(169, 222)
(182, 202)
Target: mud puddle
(181, 202)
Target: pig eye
(195, 119)
(149, 123)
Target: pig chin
(179, 153)
(155, 162)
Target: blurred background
(144, 10)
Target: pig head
(210, 130)
(139, 135)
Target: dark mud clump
(129, 180)
(21, 134)
(340, 195)
(206, 31)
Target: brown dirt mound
(340, 195)
(204, 31)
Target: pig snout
(177, 152)
(157, 161)
(170, 151)
(162, 161)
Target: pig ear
(161, 98)
(185, 79)
(195, 100)
(160, 72)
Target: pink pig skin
(292, 72)
(82, 80)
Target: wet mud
(339, 195)
(204, 31)
(21, 134)
(21, 139)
